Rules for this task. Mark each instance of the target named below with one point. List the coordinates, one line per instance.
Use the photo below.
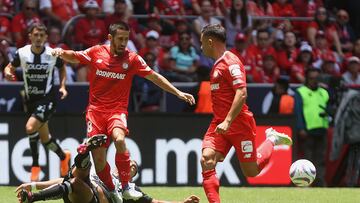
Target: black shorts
(41, 110)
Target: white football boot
(278, 138)
(131, 193)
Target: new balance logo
(247, 156)
(215, 86)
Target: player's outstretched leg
(51, 144)
(32, 126)
(34, 147)
(70, 184)
(122, 162)
(265, 149)
(101, 166)
(92, 143)
(211, 183)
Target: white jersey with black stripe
(38, 70)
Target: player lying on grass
(81, 186)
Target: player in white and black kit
(82, 185)
(38, 67)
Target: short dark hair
(38, 26)
(118, 26)
(119, 1)
(216, 30)
(283, 82)
(310, 70)
(262, 31)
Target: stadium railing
(73, 20)
(8, 15)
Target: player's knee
(208, 162)
(77, 184)
(75, 181)
(120, 140)
(250, 173)
(120, 143)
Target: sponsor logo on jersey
(108, 74)
(37, 77)
(215, 86)
(235, 70)
(39, 66)
(99, 61)
(125, 66)
(35, 90)
(246, 146)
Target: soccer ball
(302, 172)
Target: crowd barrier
(76, 102)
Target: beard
(119, 51)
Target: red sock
(211, 186)
(122, 162)
(264, 153)
(105, 177)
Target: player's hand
(57, 52)
(187, 97)
(9, 75)
(63, 92)
(25, 186)
(223, 127)
(192, 199)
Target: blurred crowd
(269, 49)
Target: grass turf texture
(239, 194)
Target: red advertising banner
(277, 170)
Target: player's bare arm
(66, 55)
(38, 185)
(62, 88)
(238, 102)
(9, 72)
(164, 84)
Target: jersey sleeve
(85, 56)
(140, 66)
(16, 61)
(59, 63)
(235, 74)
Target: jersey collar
(221, 57)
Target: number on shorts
(89, 126)
(41, 108)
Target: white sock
(272, 139)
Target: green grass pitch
(240, 194)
